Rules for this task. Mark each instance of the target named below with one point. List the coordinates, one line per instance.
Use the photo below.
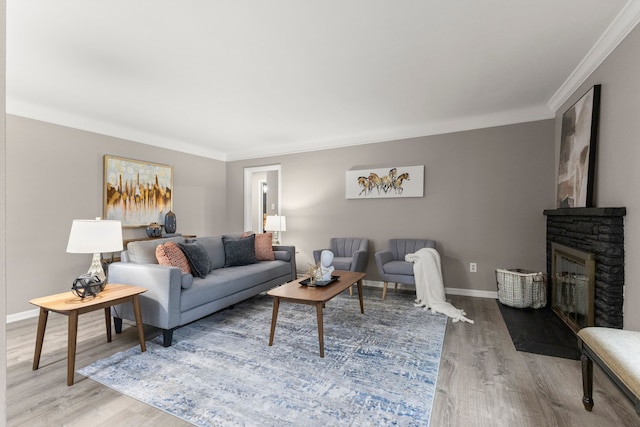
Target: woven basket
(521, 288)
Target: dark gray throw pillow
(239, 251)
(198, 258)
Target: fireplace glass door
(573, 284)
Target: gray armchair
(349, 253)
(391, 264)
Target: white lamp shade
(276, 223)
(90, 236)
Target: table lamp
(93, 236)
(276, 223)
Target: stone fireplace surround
(599, 231)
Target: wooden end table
(72, 306)
(299, 294)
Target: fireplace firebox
(573, 286)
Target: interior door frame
(248, 191)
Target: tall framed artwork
(135, 192)
(390, 182)
(576, 166)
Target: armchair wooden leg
(350, 290)
(396, 286)
(384, 290)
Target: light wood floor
(483, 380)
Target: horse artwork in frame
(389, 182)
(576, 166)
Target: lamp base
(87, 285)
(275, 239)
(96, 269)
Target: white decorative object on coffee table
(326, 258)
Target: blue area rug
(379, 368)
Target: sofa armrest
(359, 261)
(292, 258)
(161, 303)
(383, 257)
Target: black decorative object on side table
(87, 285)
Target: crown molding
(44, 114)
(503, 118)
(620, 28)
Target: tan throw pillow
(264, 251)
(170, 254)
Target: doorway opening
(262, 195)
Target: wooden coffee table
(72, 306)
(296, 293)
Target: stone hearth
(599, 231)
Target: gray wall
(618, 154)
(54, 175)
(485, 191)
(3, 270)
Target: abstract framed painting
(135, 192)
(576, 166)
(391, 182)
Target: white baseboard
(370, 283)
(23, 315)
(472, 293)
(374, 284)
(451, 291)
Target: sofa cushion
(170, 254)
(264, 248)
(399, 267)
(224, 282)
(198, 258)
(342, 263)
(144, 251)
(215, 249)
(239, 251)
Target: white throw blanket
(429, 284)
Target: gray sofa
(174, 298)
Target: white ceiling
(250, 78)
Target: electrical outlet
(473, 267)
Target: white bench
(617, 352)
